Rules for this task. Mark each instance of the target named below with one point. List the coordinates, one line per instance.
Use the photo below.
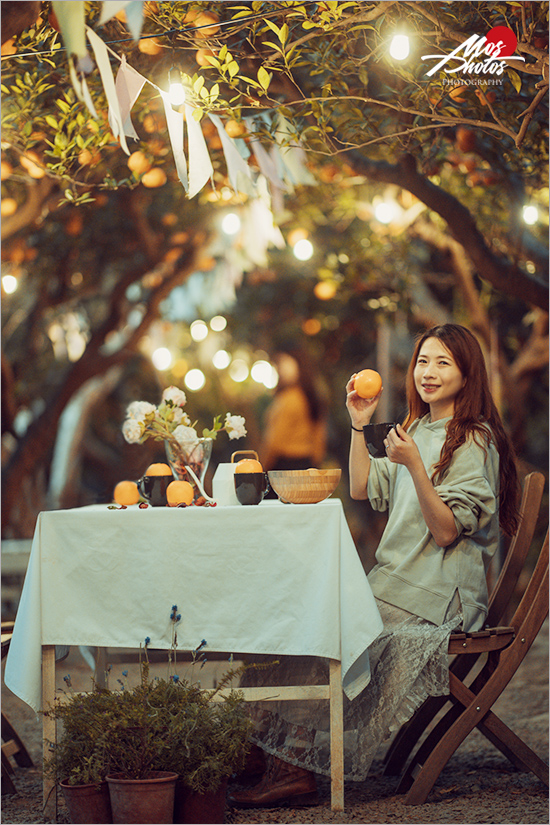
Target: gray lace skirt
(409, 661)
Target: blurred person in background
(295, 425)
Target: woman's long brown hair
(475, 414)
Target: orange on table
(368, 383)
(158, 470)
(248, 465)
(126, 492)
(179, 492)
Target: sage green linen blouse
(412, 571)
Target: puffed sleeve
(470, 487)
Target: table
(273, 578)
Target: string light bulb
(530, 214)
(400, 47)
(176, 91)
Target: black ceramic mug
(153, 488)
(250, 488)
(374, 435)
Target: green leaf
(515, 78)
(232, 68)
(264, 78)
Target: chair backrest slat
(519, 547)
(535, 596)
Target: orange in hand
(368, 383)
(158, 470)
(126, 492)
(179, 492)
(248, 465)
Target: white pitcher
(223, 483)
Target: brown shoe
(254, 767)
(282, 784)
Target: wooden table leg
(336, 737)
(49, 729)
(100, 672)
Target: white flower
(175, 395)
(180, 417)
(234, 426)
(186, 436)
(131, 430)
(139, 409)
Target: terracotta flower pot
(200, 808)
(87, 803)
(142, 801)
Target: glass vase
(196, 457)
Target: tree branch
(504, 276)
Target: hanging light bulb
(176, 91)
(399, 47)
(530, 214)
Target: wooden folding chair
(471, 708)
(12, 745)
(409, 734)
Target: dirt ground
(478, 785)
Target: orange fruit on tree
(8, 207)
(234, 128)
(158, 470)
(179, 492)
(457, 93)
(248, 465)
(150, 46)
(6, 170)
(31, 162)
(139, 163)
(465, 139)
(126, 492)
(202, 55)
(203, 19)
(154, 178)
(368, 383)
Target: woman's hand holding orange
(360, 409)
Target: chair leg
(21, 754)
(476, 712)
(409, 734)
(7, 781)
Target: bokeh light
(9, 284)
(530, 214)
(386, 212)
(262, 373)
(218, 323)
(161, 358)
(194, 380)
(221, 359)
(231, 224)
(303, 250)
(238, 370)
(198, 330)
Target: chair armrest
(481, 641)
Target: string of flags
(283, 164)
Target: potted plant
(78, 761)
(140, 740)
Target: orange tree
(459, 158)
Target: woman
(448, 482)
(295, 423)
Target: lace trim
(409, 661)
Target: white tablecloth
(274, 578)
